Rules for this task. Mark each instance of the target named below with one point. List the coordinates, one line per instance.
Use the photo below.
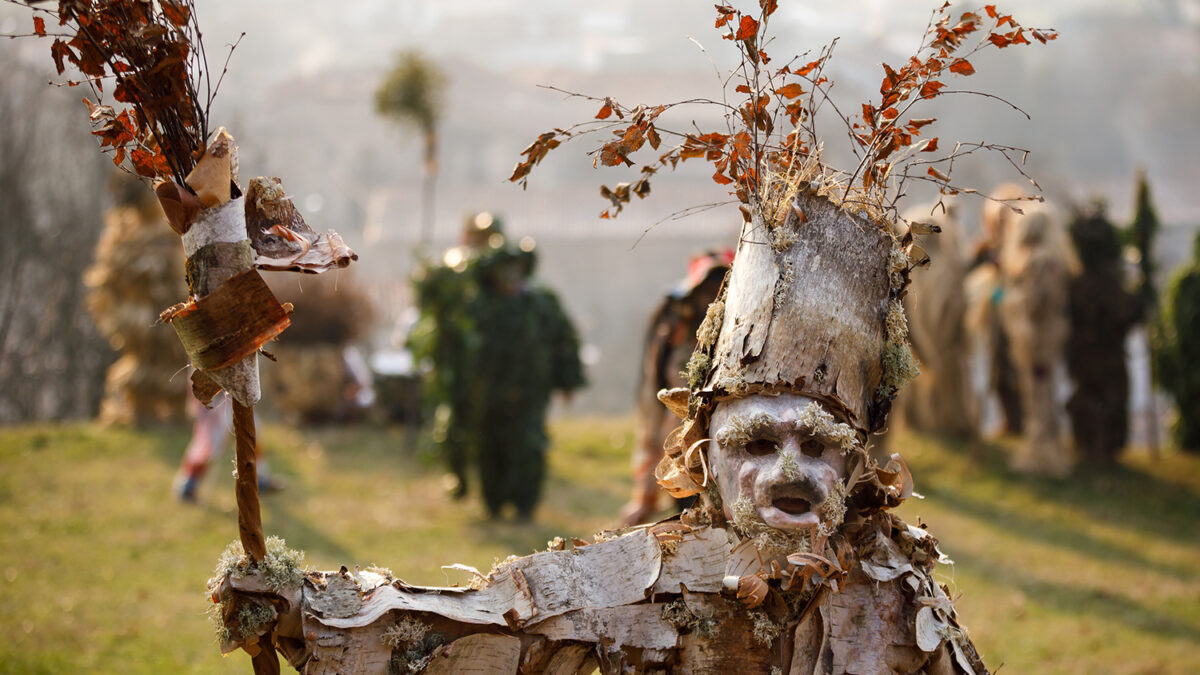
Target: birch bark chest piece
(529, 618)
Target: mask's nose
(795, 483)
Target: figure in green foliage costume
(1101, 313)
(445, 340)
(527, 349)
(1177, 349)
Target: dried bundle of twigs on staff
(148, 55)
(150, 58)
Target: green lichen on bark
(771, 542)
(416, 656)
(406, 632)
(282, 569)
(741, 429)
(696, 369)
(710, 328)
(897, 268)
(900, 367)
(679, 615)
(833, 509)
(788, 466)
(764, 630)
(823, 425)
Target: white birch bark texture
(218, 249)
(628, 605)
(804, 309)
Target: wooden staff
(232, 315)
(249, 517)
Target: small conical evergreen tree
(1140, 234)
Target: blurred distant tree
(412, 94)
(1140, 234)
(1177, 349)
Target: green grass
(102, 571)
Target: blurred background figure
(940, 400)
(1036, 266)
(670, 341)
(321, 376)
(984, 288)
(212, 431)
(528, 349)
(1177, 349)
(137, 273)
(1102, 312)
(444, 340)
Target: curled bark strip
(180, 206)
(282, 241)
(231, 323)
(204, 388)
(695, 454)
(325, 252)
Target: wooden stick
(266, 661)
(249, 517)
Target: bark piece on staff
(281, 238)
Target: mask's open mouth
(793, 506)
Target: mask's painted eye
(812, 447)
(761, 446)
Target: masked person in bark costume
(793, 564)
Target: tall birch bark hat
(812, 307)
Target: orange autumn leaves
(769, 125)
(884, 131)
(143, 50)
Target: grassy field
(102, 571)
